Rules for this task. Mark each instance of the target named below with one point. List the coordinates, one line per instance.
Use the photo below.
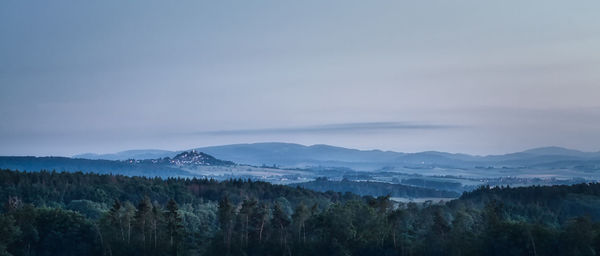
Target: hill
(160, 167)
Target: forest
(375, 188)
(58, 213)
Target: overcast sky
(472, 76)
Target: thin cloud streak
(334, 128)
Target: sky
(471, 76)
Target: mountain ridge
(137, 153)
(293, 155)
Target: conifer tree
(173, 224)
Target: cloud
(334, 128)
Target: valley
(372, 170)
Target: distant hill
(558, 151)
(295, 155)
(189, 159)
(161, 167)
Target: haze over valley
(299, 165)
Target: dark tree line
(378, 226)
(378, 188)
(147, 229)
(127, 215)
(49, 213)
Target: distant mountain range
(375, 172)
(198, 164)
(300, 156)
